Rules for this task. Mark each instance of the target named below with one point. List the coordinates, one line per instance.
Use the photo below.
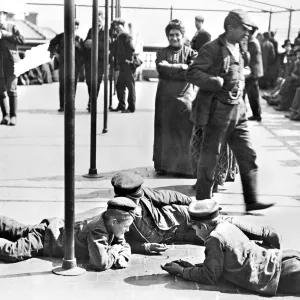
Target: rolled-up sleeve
(212, 268)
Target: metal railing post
(94, 82)
(69, 266)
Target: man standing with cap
(201, 36)
(99, 239)
(88, 57)
(124, 56)
(10, 38)
(56, 48)
(219, 108)
(162, 217)
(259, 267)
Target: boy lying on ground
(229, 253)
(99, 239)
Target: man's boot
(4, 110)
(13, 103)
(249, 183)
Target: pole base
(92, 174)
(104, 130)
(69, 272)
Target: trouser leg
(3, 98)
(130, 84)
(239, 142)
(121, 90)
(61, 87)
(252, 91)
(289, 281)
(19, 242)
(214, 135)
(4, 105)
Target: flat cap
(204, 210)
(121, 203)
(242, 17)
(199, 18)
(126, 183)
(118, 21)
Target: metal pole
(290, 23)
(105, 77)
(116, 10)
(171, 13)
(111, 59)
(119, 8)
(69, 266)
(95, 27)
(270, 21)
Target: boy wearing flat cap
(162, 217)
(99, 239)
(260, 268)
(219, 108)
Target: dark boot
(13, 104)
(249, 183)
(4, 110)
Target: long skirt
(227, 166)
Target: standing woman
(174, 96)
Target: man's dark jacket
(212, 62)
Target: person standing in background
(56, 48)
(268, 57)
(124, 55)
(10, 38)
(88, 57)
(251, 83)
(173, 104)
(201, 36)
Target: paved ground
(31, 188)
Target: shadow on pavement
(176, 283)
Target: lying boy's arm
(212, 268)
(102, 255)
(125, 249)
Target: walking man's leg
(214, 134)
(239, 142)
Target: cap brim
(249, 27)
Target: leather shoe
(295, 117)
(280, 108)
(255, 118)
(61, 110)
(127, 111)
(5, 121)
(258, 206)
(13, 121)
(116, 109)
